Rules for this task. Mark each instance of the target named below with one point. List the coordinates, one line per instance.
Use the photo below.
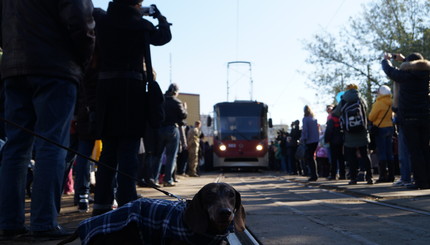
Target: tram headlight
(259, 147)
(222, 147)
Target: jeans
(384, 143)
(182, 162)
(82, 168)
(44, 105)
(68, 185)
(337, 161)
(417, 135)
(169, 142)
(284, 166)
(404, 157)
(121, 154)
(291, 159)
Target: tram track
(314, 219)
(353, 199)
(368, 199)
(243, 238)
(341, 200)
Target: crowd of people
(392, 138)
(72, 74)
(72, 77)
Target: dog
(214, 212)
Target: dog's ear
(196, 217)
(239, 214)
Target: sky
(207, 35)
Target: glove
(156, 13)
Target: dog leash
(89, 158)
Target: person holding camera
(123, 39)
(413, 111)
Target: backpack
(353, 117)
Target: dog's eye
(231, 194)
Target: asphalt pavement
(188, 186)
(381, 192)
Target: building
(192, 102)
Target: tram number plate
(232, 145)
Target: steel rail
(242, 238)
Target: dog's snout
(226, 212)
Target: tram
(241, 135)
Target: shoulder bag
(374, 129)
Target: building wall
(193, 106)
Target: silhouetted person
(123, 37)
(46, 45)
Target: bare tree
(353, 55)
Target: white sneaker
(400, 183)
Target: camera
(148, 11)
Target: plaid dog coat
(158, 221)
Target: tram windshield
(240, 122)
(240, 128)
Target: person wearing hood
(123, 40)
(355, 143)
(169, 135)
(381, 116)
(413, 110)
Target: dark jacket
(295, 134)
(414, 95)
(86, 105)
(46, 37)
(122, 38)
(358, 139)
(333, 133)
(175, 111)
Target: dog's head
(214, 208)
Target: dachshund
(214, 212)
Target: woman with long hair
(310, 137)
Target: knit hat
(128, 2)
(352, 86)
(384, 90)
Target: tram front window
(240, 128)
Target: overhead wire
(295, 73)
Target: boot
(352, 176)
(382, 166)
(390, 177)
(369, 180)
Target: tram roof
(241, 102)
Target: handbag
(374, 129)
(300, 152)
